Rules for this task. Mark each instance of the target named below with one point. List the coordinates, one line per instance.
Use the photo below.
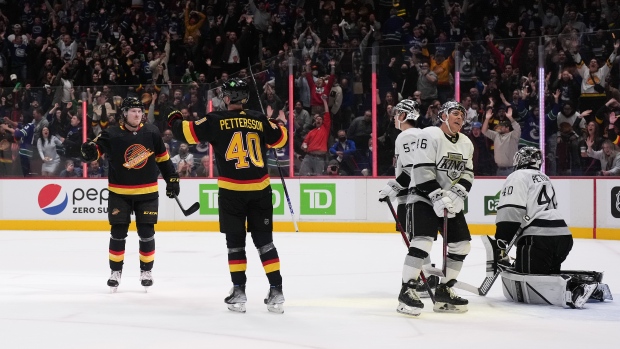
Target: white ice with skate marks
(341, 292)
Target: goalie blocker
(570, 289)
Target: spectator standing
(320, 87)
(360, 129)
(484, 165)
(505, 142)
(594, 77)
(46, 145)
(608, 155)
(591, 166)
(315, 144)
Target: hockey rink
(341, 292)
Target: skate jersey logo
(136, 156)
(453, 165)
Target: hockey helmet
(131, 102)
(527, 157)
(409, 107)
(449, 106)
(237, 90)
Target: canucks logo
(453, 165)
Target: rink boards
(591, 206)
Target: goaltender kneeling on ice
(527, 216)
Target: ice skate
(601, 293)
(447, 301)
(114, 280)
(408, 300)
(275, 300)
(237, 299)
(496, 255)
(581, 294)
(422, 291)
(146, 279)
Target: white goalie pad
(536, 289)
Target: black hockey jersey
(240, 140)
(135, 160)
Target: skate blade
(601, 294)
(146, 289)
(407, 310)
(581, 300)
(442, 307)
(113, 289)
(237, 307)
(276, 308)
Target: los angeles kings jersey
(240, 140)
(440, 161)
(135, 160)
(528, 197)
(405, 145)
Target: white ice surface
(340, 291)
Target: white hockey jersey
(440, 161)
(528, 197)
(405, 145)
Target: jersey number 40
(239, 151)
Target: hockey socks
(271, 263)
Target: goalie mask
(527, 157)
(237, 90)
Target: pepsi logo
(53, 199)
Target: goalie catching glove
(173, 187)
(441, 200)
(173, 116)
(457, 194)
(90, 151)
(390, 191)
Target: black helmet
(237, 90)
(527, 157)
(131, 102)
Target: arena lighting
(291, 119)
(374, 113)
(457, 79)
(84, 134)
(541, 102)
(210, 109)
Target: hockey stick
(190, 210)
(288, 198)
(488, 281)
(445, 241)
(402, 233)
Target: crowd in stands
(54, 54)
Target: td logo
(277, 198)
(318, 198)
(490, 204)
(207, 196)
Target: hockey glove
(173, 187)
(458, 194)
(440, 200)
(90, 151)
(390, 191)
(173, 116)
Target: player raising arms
(442, 176)
(240, 139)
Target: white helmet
(409, 107)
(450, 106)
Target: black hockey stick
(445, 241)
(288, 199)
(190, 210)
(402, 233)
(488, 281)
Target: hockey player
(406, 113)
(136, 154)
(528, 207)
(240, 139)
(442, 177)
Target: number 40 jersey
(528, 197)
(240, 139)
